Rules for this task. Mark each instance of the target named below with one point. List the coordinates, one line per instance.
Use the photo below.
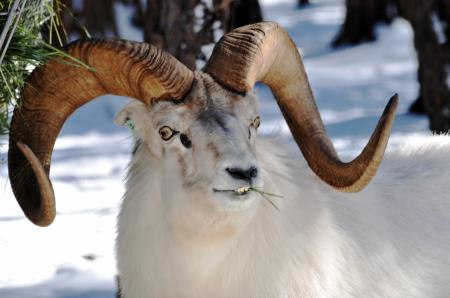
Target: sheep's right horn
(57, 89)
(264, 52)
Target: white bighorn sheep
(190, 223)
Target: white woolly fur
(390, 240)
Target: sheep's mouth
(241, 191)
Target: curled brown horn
(265, 52)
(57, 89)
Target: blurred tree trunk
(99, 17)
(96, 17)
(242, 12)
(433, 57)
(169, 24)
(181, 27)
(361, 18)
(433, 48)
(184, 27)
(303, 2)
(443, 8)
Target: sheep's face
(205, 147)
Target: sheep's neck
(207, 234)
(203, 238)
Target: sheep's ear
(122, 117)
(135, 116)
(129, 112)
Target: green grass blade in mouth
(265, 194)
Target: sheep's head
(210, 112)
(205, 144)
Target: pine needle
(24, 47)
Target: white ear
(132, 112)
(136, 113)
(121, 117)
(137, 116)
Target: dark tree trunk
(95, 17)
(443, 8)
(432, 53)
(361, 18)
(183, 27)
(172, 25)
(303, 2)
(99, 17)
(243, 12)
(433, 63)
(139, 15)
(418, 106)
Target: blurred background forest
(183, 27)
(357, 53)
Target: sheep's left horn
(58, 88)
(264, 52)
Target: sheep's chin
(233, 202)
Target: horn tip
(394, 98)
(45, 214)
(45, 222)
(391, 106)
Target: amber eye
(256, 122)
(166, 133)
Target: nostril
(253, 172)
(242, 174)
(236, 173)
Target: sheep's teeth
(242, 190)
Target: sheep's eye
(256, 122)
(166, 133)
(185, 140)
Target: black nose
(247, 174)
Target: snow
(74, 257)
(199, 13)
(439, 28)
(124, 14)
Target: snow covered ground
(74, 257)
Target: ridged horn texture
(57, 89)
(265, 52)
